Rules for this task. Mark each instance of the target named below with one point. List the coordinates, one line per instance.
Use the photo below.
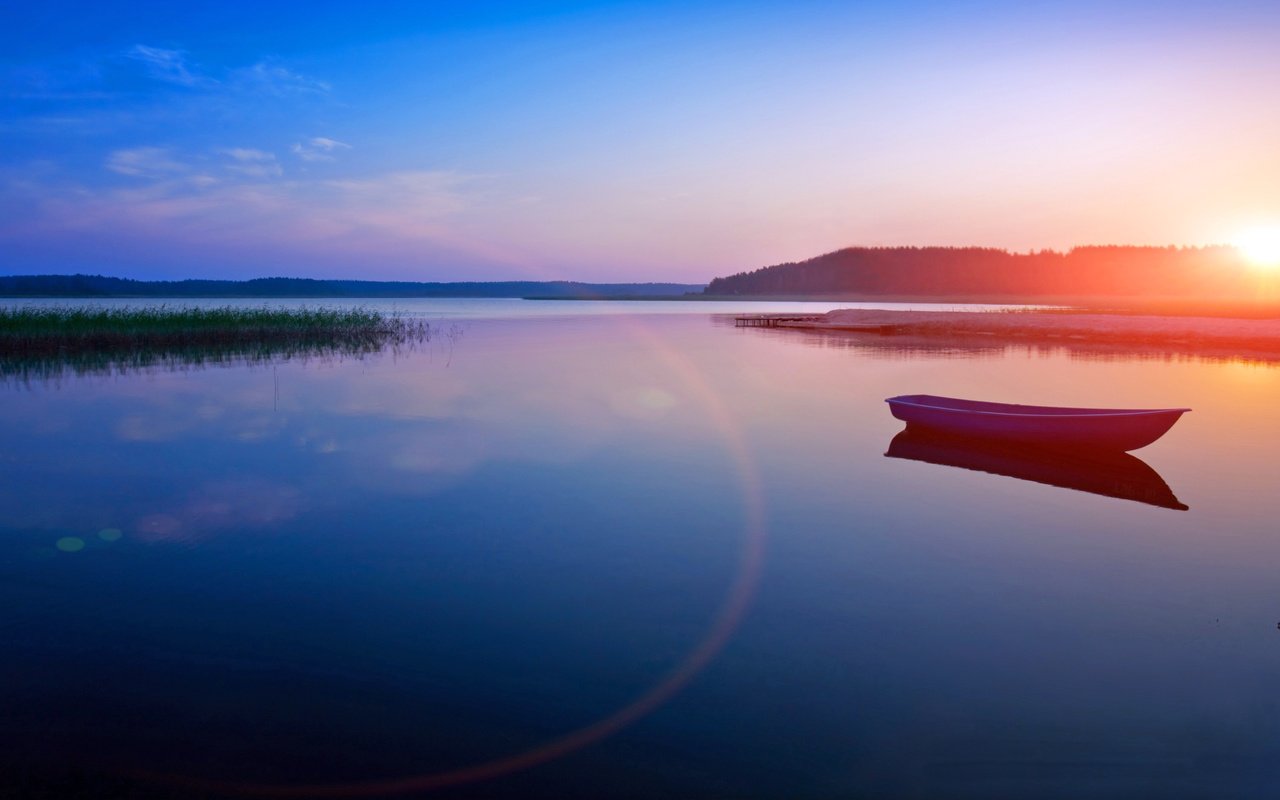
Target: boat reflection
(1112, 474)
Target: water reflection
(1111, 474)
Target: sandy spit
(1215, 332)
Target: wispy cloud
(401, 200)
(163, 164)
(266, 76)
(145, 162)
(170, 66)
(247, 154)
(252, 163)
(411, 205)
(319, 148)
(138, 89)
(274, 78)
(409, 216)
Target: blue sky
(620, 141)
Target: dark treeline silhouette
(1107, 271)
(100, 286)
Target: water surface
(335, 573)
(514, 307)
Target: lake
(571, 549)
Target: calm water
(516, 308)
(635, 555)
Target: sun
(1261, 246)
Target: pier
(771, 320)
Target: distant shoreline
(83, 287)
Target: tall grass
(90, 326)
(44, 341)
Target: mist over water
(340, 571)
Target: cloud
(233, 204)
(144, 162)
(185, 202)
(248, 154)
(265, 76)
(401, 200)
(170, 66)
(252, 163)
(319, 148)
(161, 165)
(273, 78)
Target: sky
(664, 141)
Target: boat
(1110, 473)
(1104, 428)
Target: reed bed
(46, 341)
(33, 330)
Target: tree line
(103, 286)
(1099, 271)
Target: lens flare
(70, 544)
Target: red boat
(1105, 428)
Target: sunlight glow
(1261, 246)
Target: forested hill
(100, 286)
(971, 271)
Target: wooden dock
(810, 321)
(770, 320)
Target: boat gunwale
(1072, 413)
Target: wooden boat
(1110, 473)
(1108, 428)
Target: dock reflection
(1112, 474)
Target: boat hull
(1104, 428)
